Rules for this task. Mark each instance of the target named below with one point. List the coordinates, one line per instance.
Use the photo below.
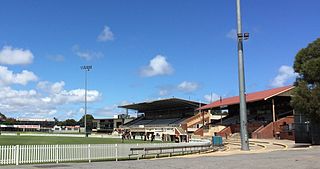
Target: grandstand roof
(35, 119)
(251, 97)
(163, 104)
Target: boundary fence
(29, 154)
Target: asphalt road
(287, 159)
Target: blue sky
(142, 50)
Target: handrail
(174, 149)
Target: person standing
(123, 137)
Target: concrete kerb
(261, 145)
(231, 151)
(281, 144)
(230, 148)
(227, 148)
(251, 143)
(262, 142)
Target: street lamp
(86, 69)
(243, 108)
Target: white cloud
(18, 100)
(183, 87)
(166, 90)
(211, 97)
(157, 66)
(285, 73)
(56, 58)
(111, 110)
(58, 95)
(53, 88)
(107, 111)
(57, 87)
(163, 92)
(71, 114)
(87, 55)
(48, 100)
(105, 35)
(15, 56)
(186, 86)
(232, 34)
(7, 77)
(81, 110)
(75, 96)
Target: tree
(70, 122)
(89, 119)
(306, 96)
(10, 121)
(67, 122)
(2, 117)
(56, 121)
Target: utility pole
(243, 108)
(86, 69)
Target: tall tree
(56, 121)
(306, 98)
(70, 122)
(2, 116)
(89, 119)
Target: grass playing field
(35, 140)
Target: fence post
(116, 152)
(17, 154)
(89, 153)
(57, 154)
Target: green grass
(35, 140)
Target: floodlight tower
(86, 69)
(243, 108)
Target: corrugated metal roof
(251, 97)
(162, 104)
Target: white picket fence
(28, 154)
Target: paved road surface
(286, 159)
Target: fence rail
(27, 154)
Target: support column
(273, 117)
(273, 111)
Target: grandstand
(164, 118)
(264, 110)
(29, 124)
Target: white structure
(28, 154)
(66, 129)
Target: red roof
(251, 97)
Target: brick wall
(278, 128)
(265, 132)
(235, 128)
(226, 132)
(199, 132)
